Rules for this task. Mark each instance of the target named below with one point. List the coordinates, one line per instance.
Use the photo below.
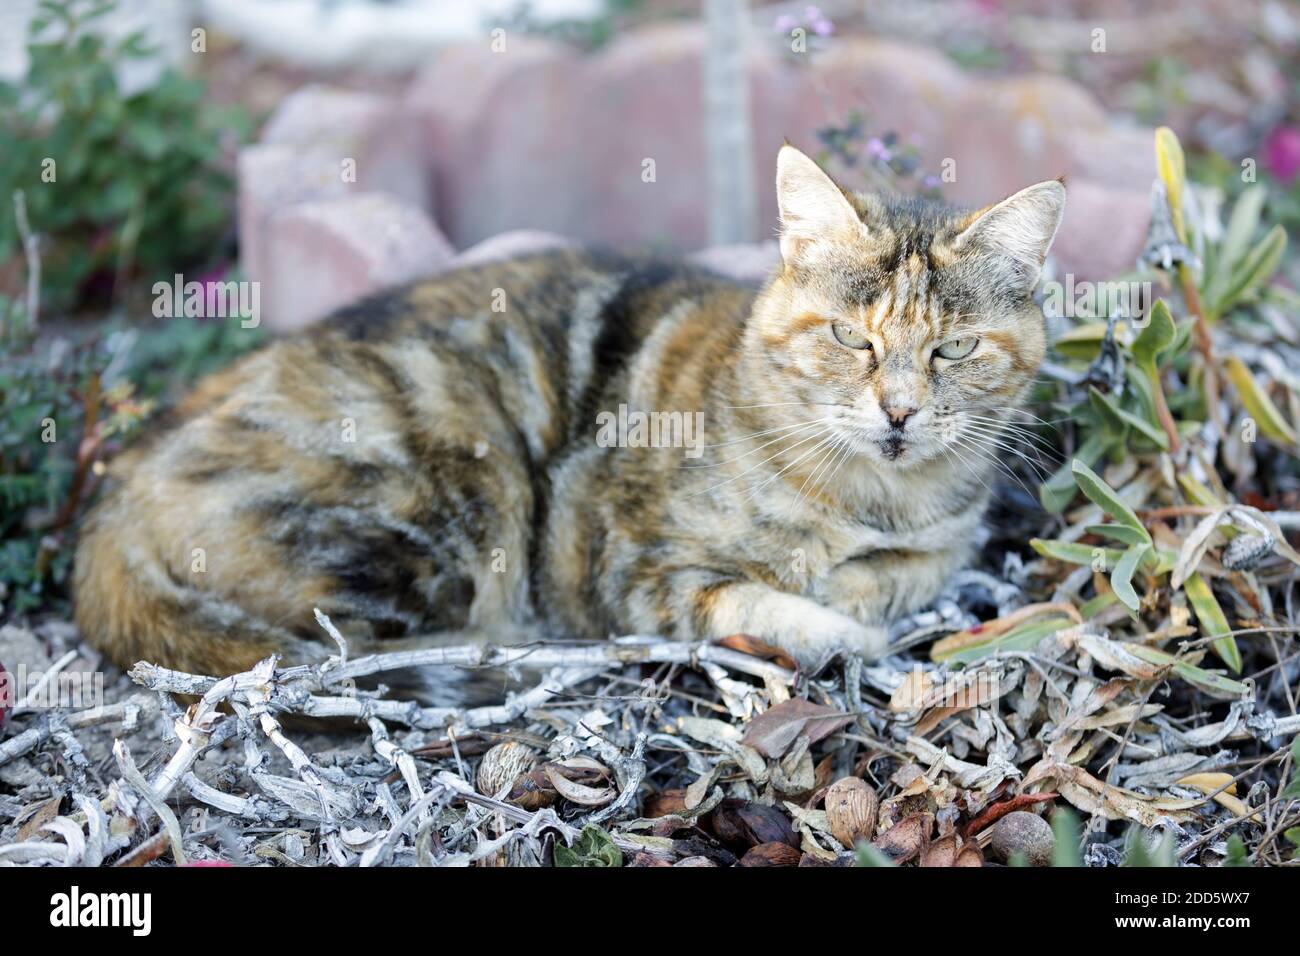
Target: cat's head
(908, 324)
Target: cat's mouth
(893, 447)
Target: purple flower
(822, 26)
(785, 23)
(1282, 153)
(876, 149)
(931, 181)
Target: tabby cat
(441, 458)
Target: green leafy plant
(594, 847)
(1140, 553)
(114, 183)
(70, 402)
(1237, 268)
(1137, 853)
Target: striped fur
(427, 462)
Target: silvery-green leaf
(1121, 579)
(1101, 494)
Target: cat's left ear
(1020, 228)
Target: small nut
(503, 765)
(771, 854)
(1023, 832)
(851, 810)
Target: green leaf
(1108, 412)
(1154, 433)
(1059, 490)
(1293, 788)
(868, 855)
(1241, 228)
(1210, 616)
(1197, 493)
(1071, 552)
(594, 847)
(1091, 608)
(1157, 335)
(1065, 838)
(1237, 855)
(1081, 342)
(1255, 270)
(1023, 637)
(1101, 494)
(1121, 579)
(1136, 853)
(1293, 835)
(1208, 681)
(1257, 403)
(1120, 532)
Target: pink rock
(378, 134)
(325, 254)
(519, 242)
(323, 142)
(540, 138)
(500, 130)
(1118, 158)
(1103, 231)
(642, 103)
(271, 178)
(317, 113)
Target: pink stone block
(324, 254)
(1103, 231)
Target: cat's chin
(892, 454)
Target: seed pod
(851, 810)
(771, 854)
(503, 765)
(1246, 551)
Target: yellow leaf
(1208, 783)
(1173, 171)
(1257, 403)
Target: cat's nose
(898, 415)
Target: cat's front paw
(822, 630)
(865, 640)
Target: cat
(511, 450)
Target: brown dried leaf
(941, 853)
(970, 855)
(906, 839)
(741, 824)
(664, 803)
(36, 815)
(773, 731)
(578, 793)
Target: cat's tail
(132, 609)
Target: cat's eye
(955, 349)
(849, 336)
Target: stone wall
(540, 137)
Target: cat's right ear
(813, 209)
